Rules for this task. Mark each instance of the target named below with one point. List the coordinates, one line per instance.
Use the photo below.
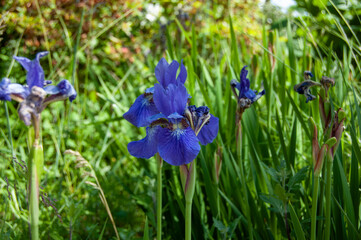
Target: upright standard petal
(209, 131)
(141, 110)
(172, 99)
(182, 76)
(35, 73)
(160, 70)
(166, 74)
(171, 73)
(178, 146)
(147, 147)
(244, 86)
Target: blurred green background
(109, 50)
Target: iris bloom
(176, 129)
(245, 96)
(143, 107)
(37, 93)
(305, 86)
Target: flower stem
(188, 220)
(244, 185)
(188, 178)
(328, 196)
(159, 197)
(35, 166)
(314, 206)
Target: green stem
(159, 197)
(188, 220)
(314, 206)
(244, 185)
(188, 178)
(35, 167)
(328, 197)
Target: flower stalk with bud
(245, 98)
(318, 156)
(33, 98)
(332, 132)
(336, 133)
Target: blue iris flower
(305, 86)
(35, 78)
(37, 93)
(143, 108)
(245, 94)
(176, 129)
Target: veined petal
(147, 147)
(182, 76)
(60, 92)
(142, 109)
(35, 73)
(179, 146)
(7, 89)
(172, 99)
(209, 131)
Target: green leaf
(146, 229)
(296, 224)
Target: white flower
(153, 12)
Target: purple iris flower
(35, 77)
(305, 86)
(143, 108)
(37, 93)
(244, 92)
(176, 129)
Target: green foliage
(117, 51)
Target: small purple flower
(245, 96)
(37, 93)
(143, 107)
(305, 86)
(176, 129)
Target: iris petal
(4, 90)
(7, 89)
(147, 147)
(171, 73)
(140, 112)
(178, 147)
(250, 94)
(209, 131)
(259, 95)
(160, 70)
(244, 86)
(173, 99)
(182, 76)
(60, 92)
(35, 73)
